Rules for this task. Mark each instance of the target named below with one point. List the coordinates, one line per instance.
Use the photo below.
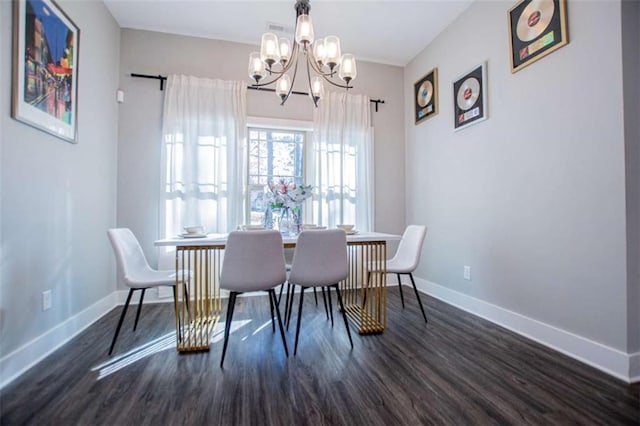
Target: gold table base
(199, 305)
(364, 293)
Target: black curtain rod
(155, 77)
(163, 79)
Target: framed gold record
(470, 97)
(536, 28)
(425, 96)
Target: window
(273, 154)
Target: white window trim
(280, 123)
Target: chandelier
(322, 56)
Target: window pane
(273, 154)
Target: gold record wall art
(425, 95)
(469, 98)
(536, 28)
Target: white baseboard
(31, 353)
(634, 367)
(612, 361)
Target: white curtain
(341, 161)
(203, 154)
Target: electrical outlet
(467, 272)
(46, 300)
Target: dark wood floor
(458, 369)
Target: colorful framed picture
(45, 68)
(536, 28)
(470, 97)
(425, 95)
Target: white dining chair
(135, 272)
(407, 258)
(320, 260)
(253, 261)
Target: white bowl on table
(311, 226)
(346, 227)
(194, 229)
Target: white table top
(221, 239)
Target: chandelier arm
(293, 80)
(336, 84)
(316, 68)
(267, 83)
(313, 98)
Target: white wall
(533, 199)
(58, 198)
(140, 121)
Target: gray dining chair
(253, 261)
(135, 272)
(320, 260)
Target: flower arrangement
(287, 195)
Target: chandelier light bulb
(319, 52)
(304, 30)
(256, 66)
(348, 71)
(332, 51)
(285, 50)
(282, 86)
(317, 89)
(269, 51)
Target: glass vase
(268, 218)
(287, 224)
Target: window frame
(301, 126)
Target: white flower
(289, 195)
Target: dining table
(198, 300)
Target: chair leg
(291, 294)
(330, 306)
(344, 314)
(175, 307)
(227, 325)
(366, 289)
(186, 298)
(280, 295)
(135, 324)
(400, 287)
(272, 295)
(295, 349)
(324, 299)
(286, 303)
(418, 297)
(124, 312)
(273, 320)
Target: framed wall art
(425, 95)
(45, 68)
(470, 97)
(536, 28)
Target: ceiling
(390, 32)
